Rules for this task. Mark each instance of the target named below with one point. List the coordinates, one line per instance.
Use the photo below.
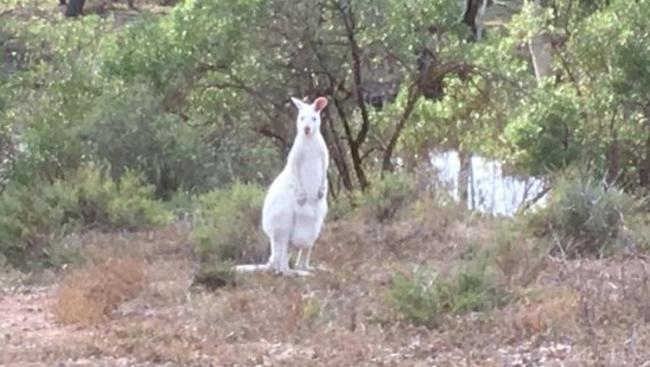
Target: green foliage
(582, 217)
(125, 204)
(214, 275)
(132, 97)
(229, 224)
(515, 253)
(134, 207)
(543, 134)
(639, 230)
(146, 51)
(423, 298)
(343, 206)
(184, 98)
(417, 298)
(129, 129)
(388, 196)
(37, 216)
(197, 34)
(32, 217)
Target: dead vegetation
(92, 294)
(146, 310)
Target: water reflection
(490, 191)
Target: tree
(74, 8)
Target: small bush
(136, 133)
(639, 231)
(127, 204)
(387, 196)
(422, 298)
(35, 217)
(134, 205)
(517, 255)
(582, 217)
(215, 275)
(182, 204)
(342, 208)
(229, 222)
(31, 218)
(417, 298)
(90, 295)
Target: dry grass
(572, 313)
(92, 294)
(548, 308)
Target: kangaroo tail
(251, 268)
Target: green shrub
(215, 275)
(229, 224)
(35, 217)
(540, 132)
(639, 230)
(519, 256)
(182, 204)
(417, 298)
(137, 133)
(134, 205)
(423, 297)
(31, 218)
(582, 217)
(127, 204)
(387, 196)
(342, 207)
(93, 193)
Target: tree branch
(355, 52)
(413, 96)
(266, 131)
(354, 146)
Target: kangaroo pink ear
(320, 103)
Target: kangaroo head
(308, 121)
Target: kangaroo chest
(310, 169)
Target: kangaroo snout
(307, 130)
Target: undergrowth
(423, 297)
(228, 224)
(90, 295)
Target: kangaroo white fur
(296, 203)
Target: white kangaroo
(296, 203)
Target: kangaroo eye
(302, 118)
(313, 118)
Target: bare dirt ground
(574, 313)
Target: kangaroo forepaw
(302, 198)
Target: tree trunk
(613, 154)
(540, 51)
(473, 11)
(540, 48)
(413, 96)
(644, 166)
(357, 142)
(75, 8)
(464, 175)
(338, 155)
(354, 146)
